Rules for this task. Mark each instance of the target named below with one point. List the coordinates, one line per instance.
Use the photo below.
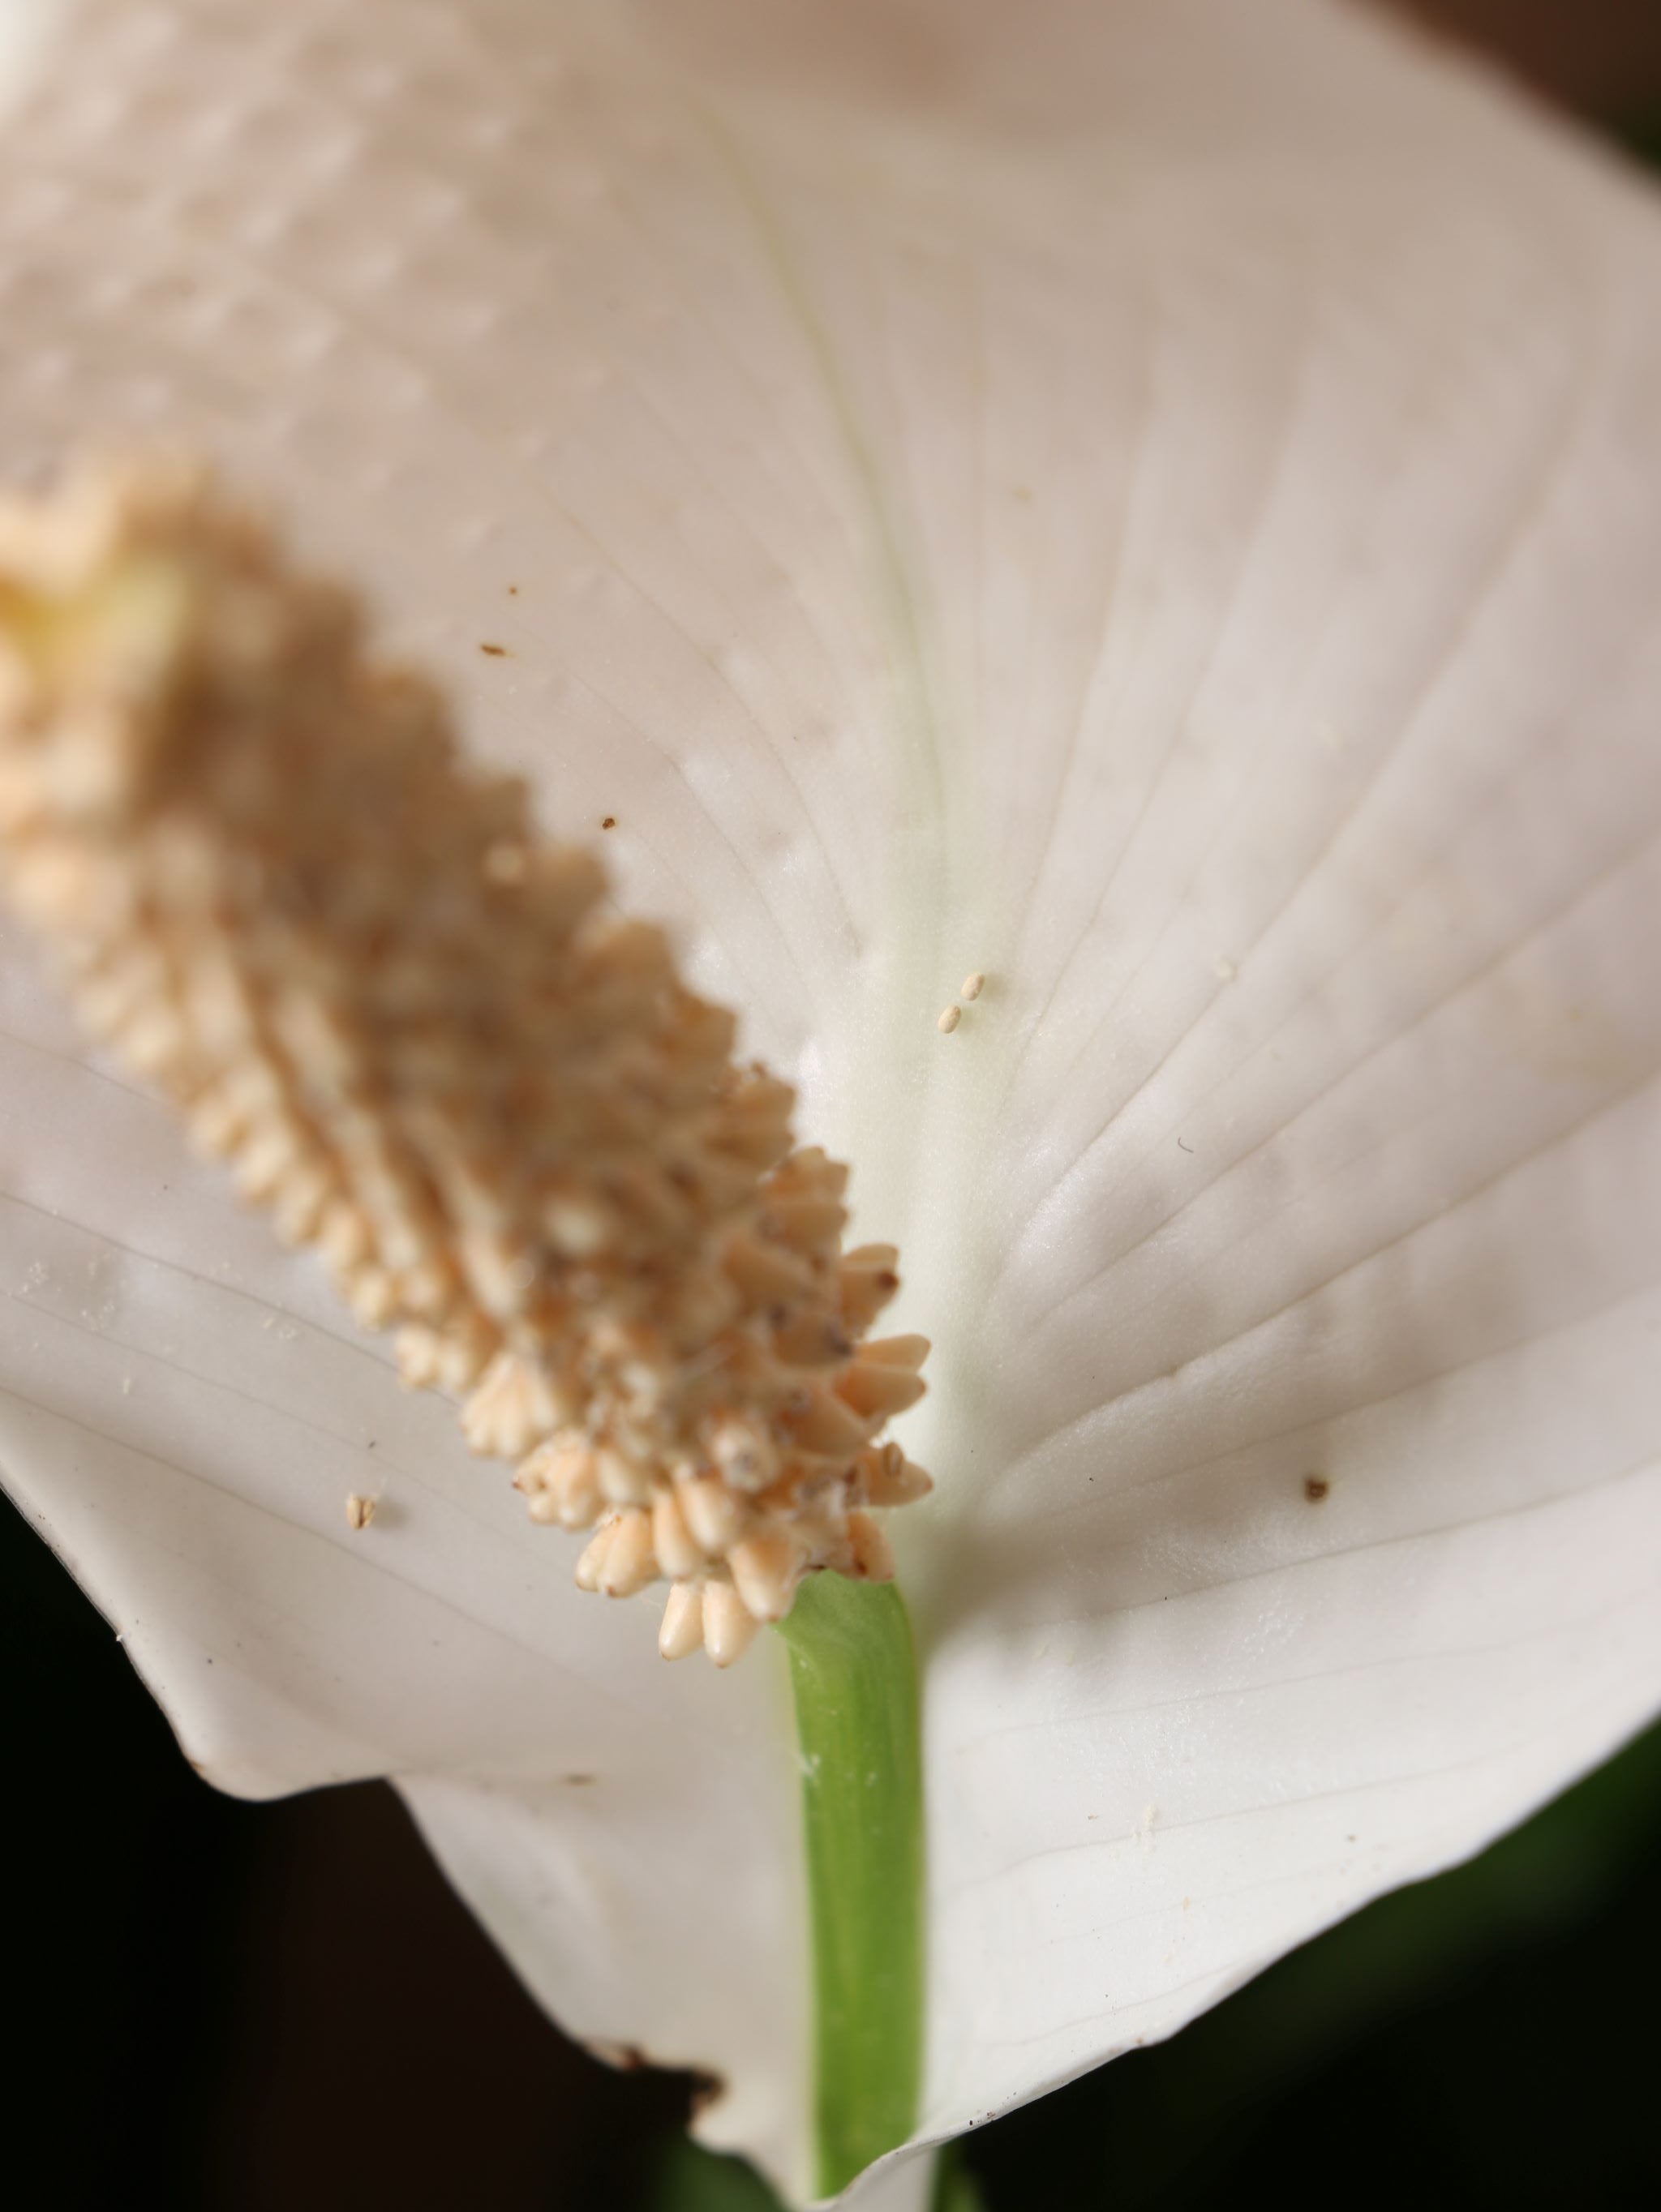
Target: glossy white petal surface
(1157, 502)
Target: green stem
(855, 1676)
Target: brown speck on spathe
(576, 1781)
(496, 652)
(626, 2058)
(707, 2088)
(703, 2088)
(608, 821)
(1316, 1487)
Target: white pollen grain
(949, 1019)
(972, 986)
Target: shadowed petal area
(1159, 508)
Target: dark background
(224, 2008)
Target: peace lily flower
(1153, 506)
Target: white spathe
(1159, 501)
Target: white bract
(1157, 504)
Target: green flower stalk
(858, 1723)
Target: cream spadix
(418, 1037)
